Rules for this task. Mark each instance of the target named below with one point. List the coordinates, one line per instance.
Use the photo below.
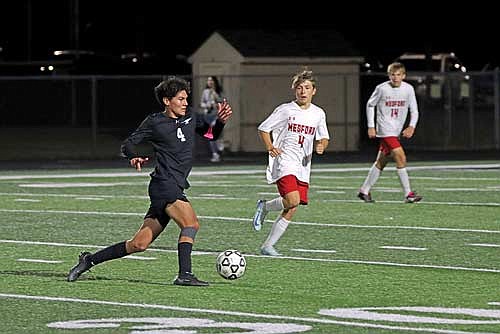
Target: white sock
(277, 230)
(371, 179)
(275, 204)
(404, 179)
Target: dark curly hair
(170, 87)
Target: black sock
(184, 254)
(109, 253)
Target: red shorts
(289, 183)
(387, 144)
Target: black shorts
(161, 193)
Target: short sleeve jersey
(294, 131)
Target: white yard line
(96, 197)
(231, 313)
(79, 184)
(325, 251)
(38, 261)
(404, 248)
(89, 198)
(140, 214)
(391, 264)
(145, 173)
(484, 245)
(264, 193)
(423, 202)
(141, 258)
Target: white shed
(255, 68)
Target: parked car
(440, 75)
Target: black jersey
(173, 141)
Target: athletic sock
(184, 255)
(370, 180)
(275, 204)
(404, 180)
(279, 227)
(109, 253)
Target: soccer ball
(231, 264)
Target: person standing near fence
(172, 134)
(392, 100)
(210, 97)
(290, 133)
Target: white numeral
(180, 135)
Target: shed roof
(289, 43)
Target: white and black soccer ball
(231, 264)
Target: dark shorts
(387, 144)
(289, 183)
(161, 193)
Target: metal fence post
(93, 116)
(497, 108)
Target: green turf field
(348, 266)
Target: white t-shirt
(392, 108)
(294, 131)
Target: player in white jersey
(290, 134)
(392, 99)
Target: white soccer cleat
(260, 214)
(269, 251)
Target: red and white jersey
(392, 108)
(294, 131)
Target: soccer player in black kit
(172, 135)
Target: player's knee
(380, 164)
(401, 161)
(291, 204)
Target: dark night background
(168, 31)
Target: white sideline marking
(76, 196)
(78, 184)
(38, 261)
(330, 192)
(212, 195)
(484, 245)
(135, 257)
(430, 167)
(59, 244)
(274, 258)
(26, 200)
(233, 313)
(465, 189)
(404, 248)
(333, 177)
(423, 202)
(90, 198)
(313, 250)
(494, 303)
(145, 173)
(135, 214)
(380, 189)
